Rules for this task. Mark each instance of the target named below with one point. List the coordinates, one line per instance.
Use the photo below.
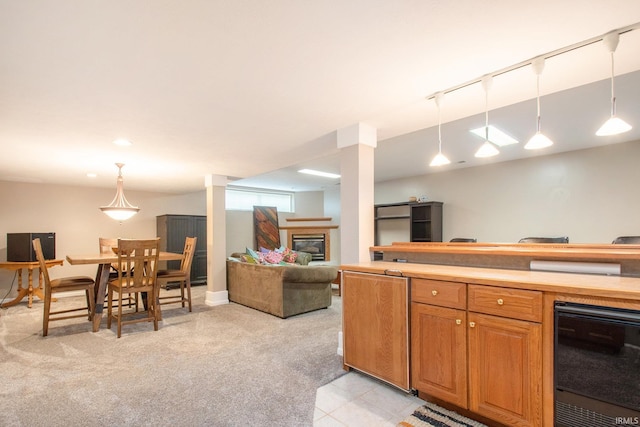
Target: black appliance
(20, 246)
(596, 366)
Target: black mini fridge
(20, 246)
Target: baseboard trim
(216, 298)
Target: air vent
(575, 416)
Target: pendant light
(614, 125)
(487, 149)
(440, 159)
(119, 208)
(538, 140)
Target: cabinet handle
(472, 324)
(458, 322)
(500, 301)
(434, 292)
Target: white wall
(588, 195)
(240, 223)
(73, 214)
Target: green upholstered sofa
(280, 290)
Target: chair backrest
(189, 250)
(627, 240)
(37, 247)
(463, 239)
(138, 262)
(106, 244)
(544, 240)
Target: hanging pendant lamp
(614, 125)
(539, 140)
(440, 159)
(487, 149)
(119, 208)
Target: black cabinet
(173, 230)
(426, 222)
(408, 221)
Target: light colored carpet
(217, 366)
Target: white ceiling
(255, 90)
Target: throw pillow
(273, 257)
(288, 255)
(258, 257)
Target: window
(245, 200)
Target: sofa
(280, 290)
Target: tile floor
(357, 400)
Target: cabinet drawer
(439, 292)
(512, 303)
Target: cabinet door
(505, 369)
(439, 352)
(375, 326)
(199, 264)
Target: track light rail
(547, 55)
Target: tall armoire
(173, 230)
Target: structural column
(357, 144)
(217, 293)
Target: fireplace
(313, 244)
(312, 239)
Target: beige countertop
(566, 283)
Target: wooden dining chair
(64, 284)
(107, 246)
(563, 239)
(183, 275)
(626, 240)
(137, 274)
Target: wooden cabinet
(439, 352)
(375, 326)
(439, 339)
(505, 354)
(478, 347)
(173, 230)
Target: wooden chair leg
(153, 305)
(119, 313)
(189, 292)
(109, 308)
(47, 310)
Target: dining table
(104, 261)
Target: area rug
(433, 415)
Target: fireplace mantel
(308, 227)
(309, 219)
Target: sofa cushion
(309, 274)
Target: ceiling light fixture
(440, 159)
(122, 142)
(539, 140)
(614, 125)
(487, 149)
(119, 208)
(319, 173)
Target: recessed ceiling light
(122, 142)
(496, 136)
(91, 174)
(319, 173)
